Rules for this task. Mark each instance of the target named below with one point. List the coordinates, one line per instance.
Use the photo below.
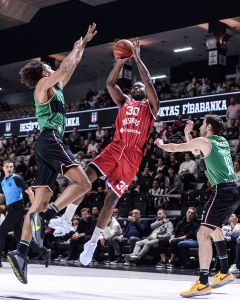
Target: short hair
(216, 122)
(194, 209)
(163, 210)
(85, 209)
(7, 162)
(32, 73)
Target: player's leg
(18, 258)
(65, 220)
(110, 202)
(201, 286)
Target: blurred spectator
(231, 233)
(92, 147)
(232, 135)
(164, 133)
(174, 185)
(158, 124)
(187, 172)
(95, 212)
(21, 168)
(145, 180)
(233, 112)
(204, 88)
(161, 167)
(193, 88)
(174, 163)
(236, 166)
(99, 134)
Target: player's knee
(217, 235)
(84, 185)
(203, 233)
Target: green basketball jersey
(219, 162)
(51, 115)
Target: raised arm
(201, 144)
(67, 67)
(187, 132)
(113, 89)
(146, 78)
(88, 37)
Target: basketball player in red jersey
(119, 161)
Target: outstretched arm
(67, 67)
(88, 37)
(200, 144)
(146, 78)
(113, 89)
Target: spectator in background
(158, 124)
(174, 185)
(21, 168)
(92, 147)
(164, 133)
(116, 213)
(231, 233)
(99, 134)
(155, 191)
(204, 88)
(232, 135)
(178, 123)
(161, 167)
(29, 138)
(112, 230)
(145, 180)
(193, 88)
(135, 230)
(81, 159)
(233, 112)
(32, 161)
(187, 172)
(236, 166)
(82, 235)
(95, 212)
(185, 230)
(174, 163)
(160, 229)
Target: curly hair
(32, 73)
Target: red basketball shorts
(119, 164)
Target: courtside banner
(88, 120)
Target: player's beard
(138, 96)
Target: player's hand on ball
(136, 48)
(159, 142)
(189, 127)
(90, 33)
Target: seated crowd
(165, 183)
(101, 99)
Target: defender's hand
(90, 33)
(189, 127)
(159, 142)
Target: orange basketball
(122, 49)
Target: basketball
(122, 49)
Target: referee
(11, 189)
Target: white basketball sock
(96, 234)
(70, 211)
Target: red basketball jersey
(133, 124)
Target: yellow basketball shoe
(198, 289)
(221, 279)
